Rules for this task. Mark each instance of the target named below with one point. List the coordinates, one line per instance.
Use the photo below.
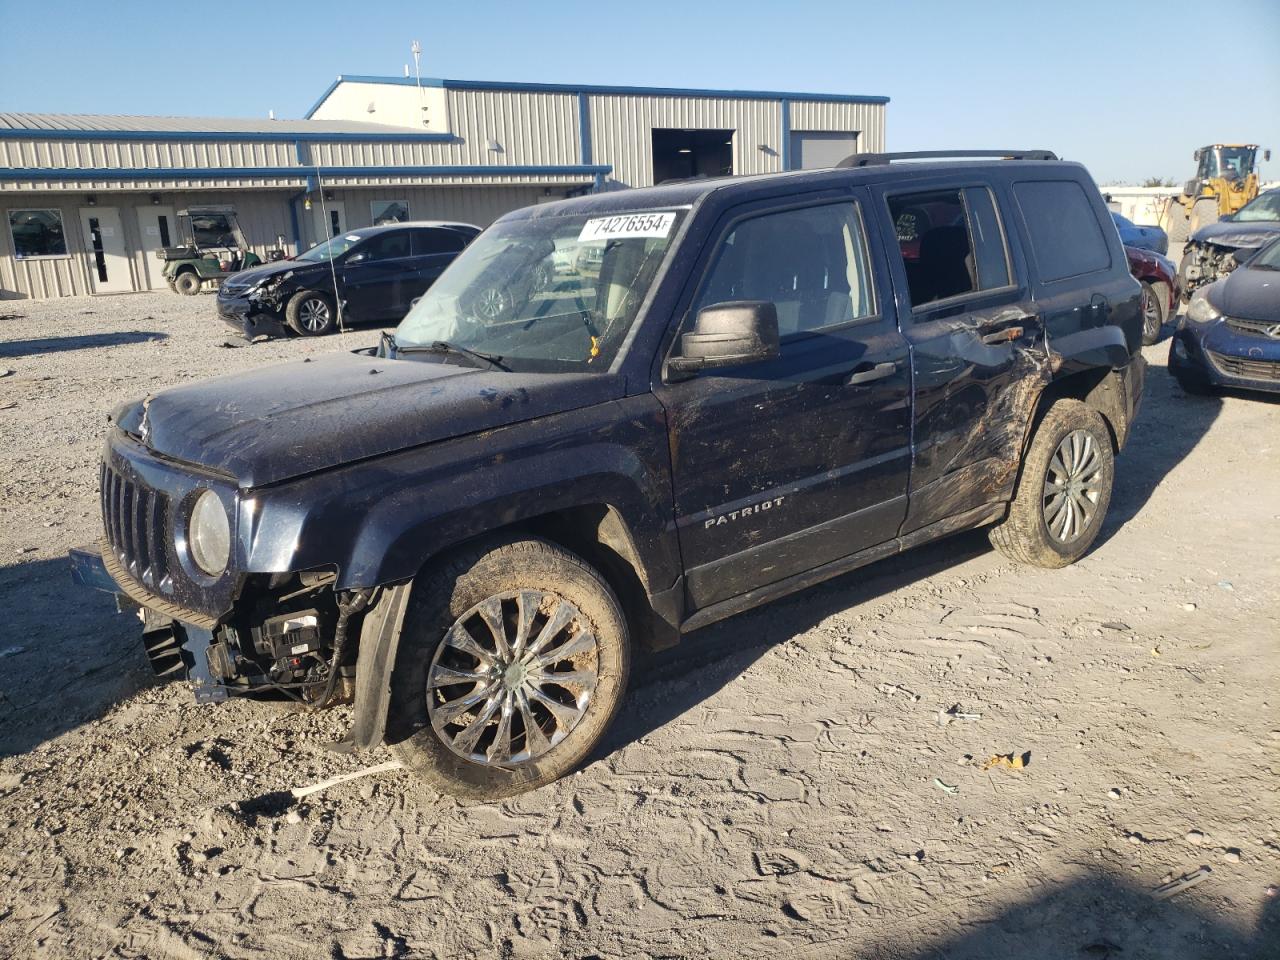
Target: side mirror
(728, 335)
(1266, 155)
(1196, 155)
(357, 258)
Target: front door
(787, 464)
(104, 245)
(159, 229)
(977, 345)
(330, 219)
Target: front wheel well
(598, 534)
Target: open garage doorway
(680, 154)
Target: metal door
(104, 246)
(159, 229)
(330, 219)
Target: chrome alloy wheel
(1073, 486)
(512, 678)
(1152, 315)
(313, 314)
(492, 304)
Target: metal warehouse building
(87, 199)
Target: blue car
(1144, 238)
(1230, 334)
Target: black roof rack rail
(876, 159)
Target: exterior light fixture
(92, 201)
(155, 199)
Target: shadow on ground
(1098, 916)
(66, 656)
(88, 341)
(667, 684)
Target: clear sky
(1130, 89)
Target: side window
(389, 246)
(951, 243)
(427, 242)
(1064, 232)
(811, 264)
(991, 255)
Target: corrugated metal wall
(480, 207)
(867, 119)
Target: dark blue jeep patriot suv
(619, 418)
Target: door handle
(878, 372)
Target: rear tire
(519, 728)
(1152, 314)
(1063, 491)
(187, 283)
(1203, 213)
(1177, 223)
(310, 314)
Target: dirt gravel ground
(804, 780)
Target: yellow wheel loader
(1226, 179)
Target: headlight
(1202, 309)
(209, 534)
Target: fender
(379, 521)
(1104, 346)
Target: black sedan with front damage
(617, 419)
(1217, 249)
(369, 275)
(1230, 334)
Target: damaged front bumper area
(289, 634)
(1203, 263)
(253, 314)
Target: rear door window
(951, 243)
(393, 245)
(1066, 239)
(428, 242)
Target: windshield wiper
(451, 349)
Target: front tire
(188, 283)
(512, 663)
(1203, 213)
(310, 314)
(1064, 489)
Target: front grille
(1259, 328)
(136, 521)
(1245, 368)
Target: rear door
(977, 343)
(433, 250)
(379, 276)
(787, 464)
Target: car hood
(1229, 233)
(1250, 294)
(288, 420)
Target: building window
(683, 154)
(388, 211)
(37, 233)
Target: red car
(1157, 274)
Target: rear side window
(427, 242)
(951, 243)
(1065, 236)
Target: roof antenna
(416, 49)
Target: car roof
(686, 193)
(406, 224)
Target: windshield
(1264, 207)
(1268, 258)
(546, 294)
(1234, 163)
(324, 252)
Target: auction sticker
(627, 225)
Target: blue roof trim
(587, 88)
(298, 173)
(218, 136)
(323, 97)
